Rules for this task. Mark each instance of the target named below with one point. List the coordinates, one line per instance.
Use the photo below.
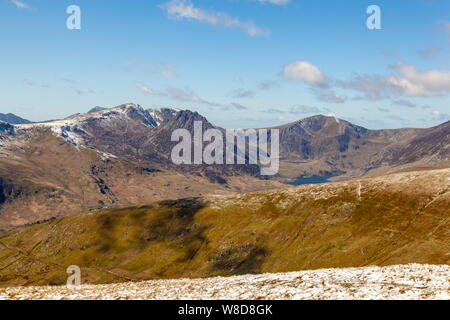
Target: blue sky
(241, 63)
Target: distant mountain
(322, 145)
(96, 109)
(431, 146)
(13, 119)
(122, 156)
(114, 157)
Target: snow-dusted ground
(394, 282)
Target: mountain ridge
(121, 156)
(12, 118)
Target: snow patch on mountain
(163, 114)
(75, 129)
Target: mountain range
(12, 118)
(119, 157)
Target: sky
(240, 63)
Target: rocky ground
(412, 281)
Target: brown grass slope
(394, 219)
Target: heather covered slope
(395, 219)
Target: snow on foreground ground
(412, 281)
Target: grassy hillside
(395, 219)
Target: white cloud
(20, 4)
(304, 71)
(408, 88)
(184, 9)
(412, 82)
(185, 95)
(405, 81)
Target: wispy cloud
(165, 70)
(304, 110)
(238, 106)
(295, 110)
(178, 94)
(272, 111)
(32, 83)
(185, 9)
(406, 80)
(395, 118)
(242, 93)
(371, 86)
(430, 52)
(235, 106)
(404, 103)
(20, 4)
(68, 80)
(444, 25)
(186, 95)
(277, 2)
(143, 88)
(267, 85)
(29, 82)
(88, 91)
(329, 96)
